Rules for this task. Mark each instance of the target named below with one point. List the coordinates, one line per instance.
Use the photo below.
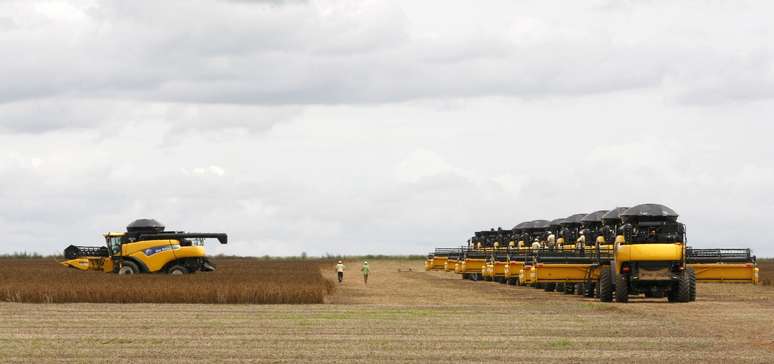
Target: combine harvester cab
(500, 254)
(538, 233)
(650, 259)
(473, 263)
(723, 265)
(146, 247)
(516, 254)
(569, 232)
(474, 257)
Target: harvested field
(415, 316)
(235, 281)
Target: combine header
(723, 265)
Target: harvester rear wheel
(178, 270)
(128, 268)
(692, 278)
(621, 289)
(605, 286)
(681, 291)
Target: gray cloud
(374, 52)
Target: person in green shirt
(365, 269)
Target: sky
(381, 127)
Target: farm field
(235, 281)
(406, 317)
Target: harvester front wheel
(588, 289)
(692, 278)
(580, 289)
(605, 286)
(569, 288)
(621, 289)
(178, 270)
(128, 268)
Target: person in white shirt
(340, 271)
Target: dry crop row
(766, 274)
(236, 281)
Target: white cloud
(376, 126)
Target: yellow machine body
(562, 273)
(471, 265)
(438, 263)
(498, 269)
(726, 272)
(512, 269)
(525, 275)
(647, 252)
(152, 255)
(449, 265)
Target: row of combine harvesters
(610, 255)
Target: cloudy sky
(349, 127)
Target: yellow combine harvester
(611, 255)
(651, 258)
(145, 247)
(473, 258)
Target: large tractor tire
(589, 289)
(605, 286)
(128, 268)
(569, 288)
(692, 278)
(549, 287)
(621, 289)
(580, 289)
(681, 291)
(178, 270)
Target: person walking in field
(365, 269)
(340, 271)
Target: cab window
(115, 245)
